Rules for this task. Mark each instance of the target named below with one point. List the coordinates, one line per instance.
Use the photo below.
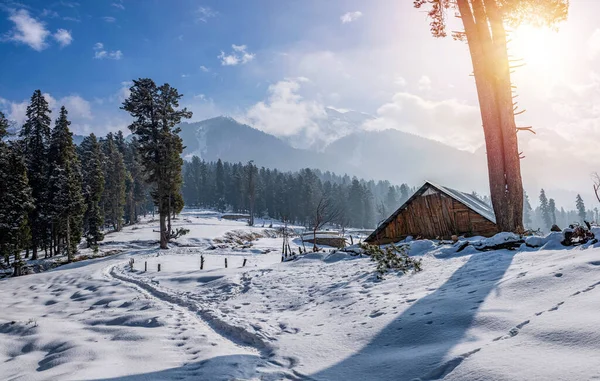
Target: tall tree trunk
(492, 79)
(163, 230)
(68, 239)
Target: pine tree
(156, 115)
(16, 201)
(36, 137)
(220, 186)
(552, 211)
(391, 201)
(251, 173)
(580, 208)
(545, 209)
(526, 211)
(66, 202)
(93, 187)
(115, 175)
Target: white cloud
(100, 53)
(49, 13)
(63, 37)
(204, 13)
(204, 69)
(424, 83)
(285, 112)
(109, 19)
(239, 55)
(79, 109)
(27, 30)
(400, 81)
(350, 17)
(449, 121)
(185, 75)
(118, 5)
(593, 45)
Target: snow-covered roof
(469, 200)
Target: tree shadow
(417, 344)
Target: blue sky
(276, 64)
(190, 45)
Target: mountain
(402, 157)
(335, 124)
(380, 155)
(226, 139)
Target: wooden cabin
(437, 212)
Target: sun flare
(534, 47)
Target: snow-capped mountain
(335, 125)
(387, 155)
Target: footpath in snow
(529, 314)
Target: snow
(529, 314)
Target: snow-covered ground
(499, 315)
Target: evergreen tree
(391, 201)
(115, 175)
(545, 210)
(156, 115)
(552, 211)
(36, 136)
(93, 187)
(251, 173)
(15, 200)
(66, 202)
(526, 211)
(580, 208)
(220, 186)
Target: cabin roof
(470, 201)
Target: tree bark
(69, 251)
(492, 80)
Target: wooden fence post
(159, 267)
(202, 262)
(244, 264)
(225, 262)
(145, 266)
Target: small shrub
(392, 258)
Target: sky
(277, 64)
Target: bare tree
(596, 180)
(325, 212)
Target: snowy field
(499, 315)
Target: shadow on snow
(416, 345)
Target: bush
(392, 258)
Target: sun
(534, 47)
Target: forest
(289, 196)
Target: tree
(66, 202)
(325, 212)
(15, 200)
(93, 187)
(526, 211)
(115, 175)
(552, 211)
(251, 174)
(220, 186)
(156, 115)
(545, 209)
(580, 208)
(35, 136)
(485, 23)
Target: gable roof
(469, 200)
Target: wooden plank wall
(434, 216)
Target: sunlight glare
(535, 47)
